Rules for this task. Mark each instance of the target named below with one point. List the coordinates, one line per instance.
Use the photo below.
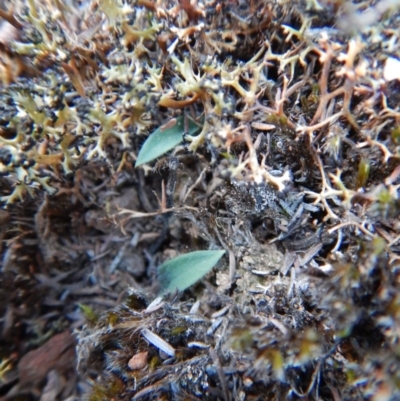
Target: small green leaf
(180, 273)
(163, 140)
(364, 168)
(90, 315)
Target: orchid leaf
(183, 271)
(163, 139)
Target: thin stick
(221, 374)
(321, 124)
(359, 226)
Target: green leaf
(161, 141)
(181, 272)
(90, 315)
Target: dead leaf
(56, 354)
(52, 387)
(192, 10)
(138, 361)
(75, 77)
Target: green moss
(395, 135)
(107, 393)
(91, 316)
(242, 339)
(112, 318)
(178, 330)
(364, 168)
(155, 361)
(136, 302)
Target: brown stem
(10, 19)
